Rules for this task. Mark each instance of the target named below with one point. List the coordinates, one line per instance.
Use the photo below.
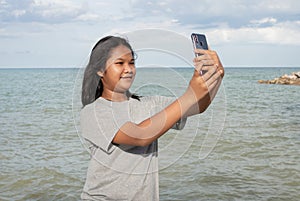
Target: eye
(120, 63)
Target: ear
(100, 74)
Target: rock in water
(293, 79)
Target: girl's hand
(201, 83)
(210, 55)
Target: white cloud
(266, 20)
(285, 33)
(72, 23)
(88, 17)
(235, 13)
(54, 8)
(44, 11)
(18, 13)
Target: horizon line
(145, 67)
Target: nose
(128, 68)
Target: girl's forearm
(152, 128)
(203, 103)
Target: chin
(123, 89)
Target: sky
(61, 33)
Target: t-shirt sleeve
(99, 127)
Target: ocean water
(246, 146)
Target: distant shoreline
(228, 67)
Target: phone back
(199, 41)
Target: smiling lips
(127, 77)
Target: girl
(122, 129)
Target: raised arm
(198, 91)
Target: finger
(206, 62)
(203, 65)
(202, 57)
(200, 51)
(215, 77)
(212, 85)
(215, 57)
(210, 70)
(205, 59)
(211, 80)
(221, 70)
(198, 67)
(211, 54)
(210, 67)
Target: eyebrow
(124, 59)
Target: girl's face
(119, 72)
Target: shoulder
(97, 105)
(87, 108)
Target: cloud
(277, 35)
(264, 21)
(231, 21)
(44, 11)
(282, 33)
(26, 24)
(211, 13)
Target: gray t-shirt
(120, 172)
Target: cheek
(113, 72)
(134, 71)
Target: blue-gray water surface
(251, 134)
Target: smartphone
(199, 42)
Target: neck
(114, 96)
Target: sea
(245, 146)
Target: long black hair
(92, 86)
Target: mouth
(127, 77)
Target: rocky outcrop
(293, 79)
